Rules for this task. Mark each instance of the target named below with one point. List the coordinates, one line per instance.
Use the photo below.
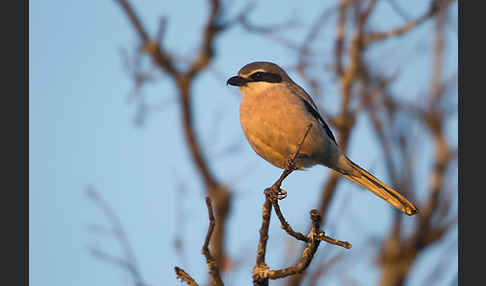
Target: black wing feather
(318, 117)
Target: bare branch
(181, 274)
(261, 272)
(401, 30)
(398, 9)
(262, 243)
(161, 31)
(128, 262)
(400, 253)
(331, 240)
(183, 80)
(340, 36)
(148, 45)
(212, 266)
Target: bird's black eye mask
(266, 76)
(255, 77)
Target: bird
(276, 114)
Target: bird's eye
(258, 76)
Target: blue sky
(82, 133)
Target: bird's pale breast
(274, 122)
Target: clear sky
(83, 133)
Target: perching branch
(261, 271)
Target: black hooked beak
(237, 81)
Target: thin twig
(181, 274)
(331, 240)
(289, 168)
(128, 262)
(213, 268)
(212, 265)
(401, 30)
(285, 226)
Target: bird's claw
(275, 193)
(282, 194)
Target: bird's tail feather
(374, 185)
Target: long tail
(374, 185)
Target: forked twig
(213, 268)
(261, 272)
(284, 224)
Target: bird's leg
(275, 192)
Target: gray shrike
(275, 113)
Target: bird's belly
(274, 128)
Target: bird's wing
(312, 109)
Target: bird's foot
(275, 193)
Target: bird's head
(258, 76)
